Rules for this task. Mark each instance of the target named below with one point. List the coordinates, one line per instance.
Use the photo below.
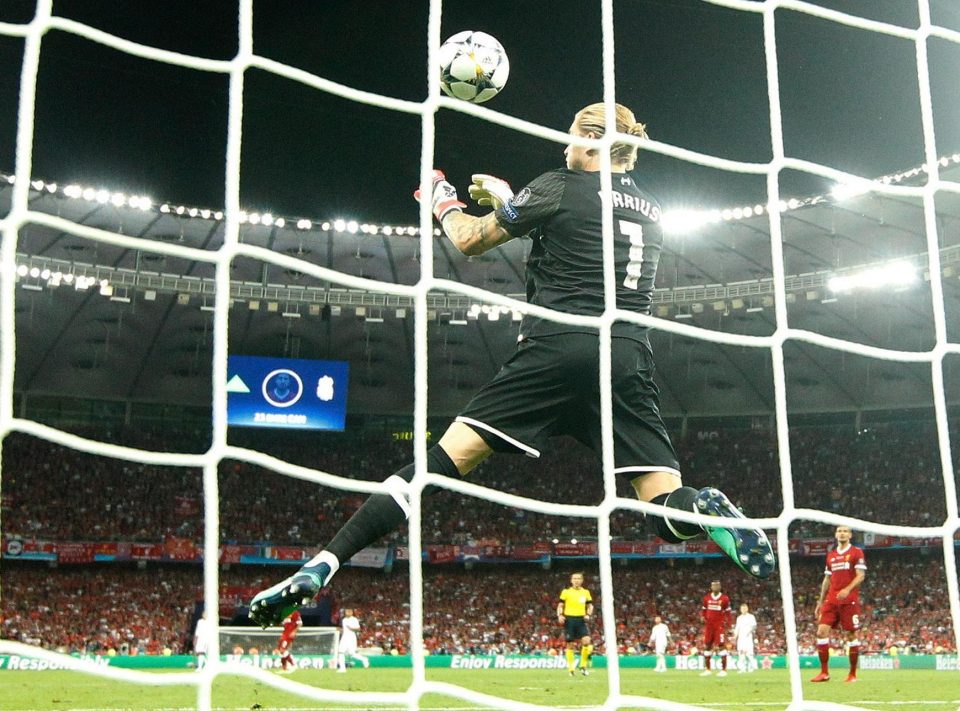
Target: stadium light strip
(678, 221)
(81, 277)
(682, 221)
(52, 273)
(895, 273)
(245, 217)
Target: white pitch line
(849, 703)
(341, 707)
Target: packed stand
(56, 493)
(486, 609)
(100, 609)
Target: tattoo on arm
(474, 235)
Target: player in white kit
(659, 639)
(743, 633)
(201, 640)
(349, 626)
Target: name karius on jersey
(631, 202)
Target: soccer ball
(473, 66)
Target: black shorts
(575, 629)
(550, 386)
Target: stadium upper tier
(888, 474)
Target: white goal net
(253, 640)
(35, 33)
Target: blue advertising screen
(287, 393)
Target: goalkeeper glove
(487, 190)
(444, 197)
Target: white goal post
(45, 24)
(310, 640)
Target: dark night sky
(694, 72)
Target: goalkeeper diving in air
(551, 386)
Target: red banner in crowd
(526, 553)
(633, 547)
(574, 550)
(230, 554)
(184, 549)
(179, 548)
(441, 554)
(146, 551)
(75, 552)
(816, 546)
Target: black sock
(669, 530)
(380, 513)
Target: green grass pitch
(761, 691)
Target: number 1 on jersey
(633, 230)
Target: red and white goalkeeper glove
(444, 198)
(488, 190)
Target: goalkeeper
(550, 386)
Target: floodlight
(850, 189)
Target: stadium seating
(60, 494)
(835, 469)
(505, 609)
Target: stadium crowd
(487, 609)
(478, 611)
(97, 498)
(55, 493)
(97, 609)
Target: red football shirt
(716, 609)
(291, 625)
(842, 567)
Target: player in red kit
(716, 613)
(291, 626)
(839, 602)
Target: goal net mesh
(309, 640)
(21, 215)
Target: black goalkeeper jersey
(561, 212)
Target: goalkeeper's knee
(438, 461)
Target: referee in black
(550, 386)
